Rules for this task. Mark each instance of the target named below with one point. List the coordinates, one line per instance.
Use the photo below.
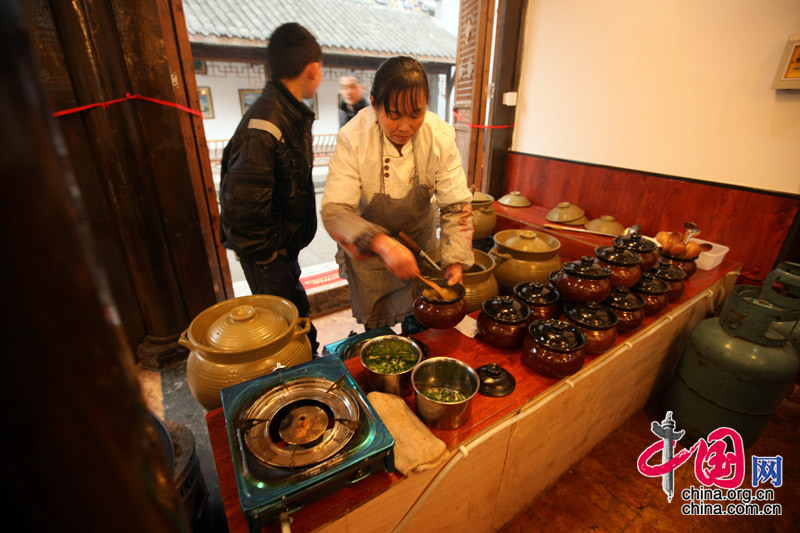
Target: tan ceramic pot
(523, 255)
(478, 280)
(485, 218)
(241, 339)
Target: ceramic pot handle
(184, 341)
(303, 326)
(499, 257)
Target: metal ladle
(636, 228)
(691, 230)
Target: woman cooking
(395, 165)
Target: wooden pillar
(140, 166)
(508, 48)
(79, 454)
(471, 76)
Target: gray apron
(377, 297)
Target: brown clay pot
(674, 277)
(478, 280)
(502, 321)
(644, 247)
(554, 348)
(439, 314)
(687, 265)
(654, 293)
(584, 281)
(542, 299)
(629, 308)
(624, 264)
(523, 255)
(598, 323)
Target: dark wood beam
(505, 78)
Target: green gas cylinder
(736, 369)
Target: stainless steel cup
(397, 384)
(447, 373)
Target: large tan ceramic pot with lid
(241, 339)
(523, 255)
(478, 280)
(484, 216)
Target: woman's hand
(454, 274)
(398, 259)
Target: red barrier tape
(128, 96)
(458, 117)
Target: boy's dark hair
(399, 79)
(291, 47)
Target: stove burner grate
(299, 434)
(301, 423)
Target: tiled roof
(341, 26)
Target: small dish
(605, 224)
(514, 199)
(564, 212)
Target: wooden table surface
(486, 411)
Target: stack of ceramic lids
(566, 213)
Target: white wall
(225, 78)
(679, 87)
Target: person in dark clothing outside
(267, 203)
(352, 98)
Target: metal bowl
(448, 374)
(398, 384)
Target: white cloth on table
(416, 449)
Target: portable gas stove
(300, 434)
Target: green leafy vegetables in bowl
(391, 356)
(443, 394)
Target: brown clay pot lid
(618, 255)
(624, 300)
(245, 327)
(506, 310)
(527, 241)
(636, 243)
(557, 335)
(668, 272)
(591, 315)
(536, 293)
(586, 268)
(649, 284)
(496, 381)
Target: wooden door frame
(487, 152)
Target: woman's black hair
(399, 79)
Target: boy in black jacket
(267, 203)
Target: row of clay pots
(558, 348)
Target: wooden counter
(502, 474)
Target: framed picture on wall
(247, 97)
(205, 102)
(312, 105)
(200, 66)
(788, 74)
